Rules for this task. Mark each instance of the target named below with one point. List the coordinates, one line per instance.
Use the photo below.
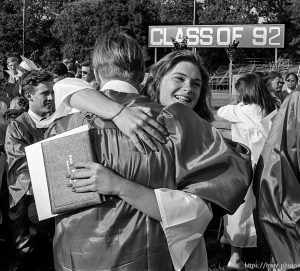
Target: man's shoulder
(20, 127)
(126, 98)
(283, 93)
(23, 117)
(18, 122)
(181, 111)
(66, 123)
(179, 115)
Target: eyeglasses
(290, 80)
(84, 72)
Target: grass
(219, 99)
(218, 256)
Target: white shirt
(35, 117)
(184, 216)
(247, 126)
(119, 86)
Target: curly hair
(32, 78)
(164, 65)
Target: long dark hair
(164, 65)
(253, 90)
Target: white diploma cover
(38, 175)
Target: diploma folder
(49, 161)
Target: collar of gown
(119, 86)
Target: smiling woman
(180, 77)
(181, 84)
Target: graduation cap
(28, 64)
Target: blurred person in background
(274, 82)
(87, 74)
(59, 71)
(255, 108)
(25, 66)
(67, 62)
(72, 71)
(12, 66)
(291, 80)
(11, 86)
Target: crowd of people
(163, 169)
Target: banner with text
(249, 36)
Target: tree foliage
(80, 23)
(10, 27)
(227, 12)
(293, 48)
(57, 28)
(39, 17)
(247, 12)
(173, 12)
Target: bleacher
(219, 82)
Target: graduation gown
(277, 187)
(27, 234)
(196, 159)
(20, 133)
(283, 94)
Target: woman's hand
(137, 122)
(94, 177)
(139, 125)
